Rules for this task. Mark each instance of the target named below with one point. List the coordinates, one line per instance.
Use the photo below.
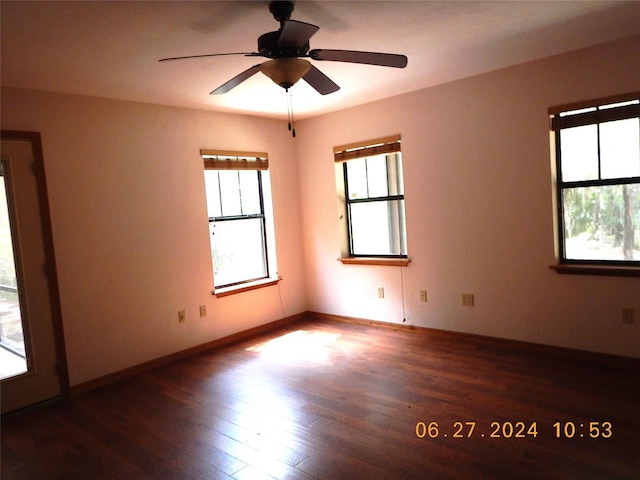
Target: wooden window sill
(245, 287)
(391, 262)
(602, 270)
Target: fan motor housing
(268, 46)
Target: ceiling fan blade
(352, 56)
(296, 35)
(318, 80)
(246, 54)
(237, 80)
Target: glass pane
(12, 348)
(377, 176)
(212, 190)
(602, 223)
(238, 251)
(250, 192)
(377, 228)
(230, 192)
(579, 150)
(357, 178)
(619, 104)
(620, 148)
(576, 112)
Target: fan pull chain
(290, 113)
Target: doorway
(13, 357)
(31, 341)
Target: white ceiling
(111, 49)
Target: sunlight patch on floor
(299, 346)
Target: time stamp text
(466, 429)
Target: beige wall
(130, 225)
(129, 220)
(479, 209)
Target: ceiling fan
(288, 47)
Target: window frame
(364, 150)
(576, 115)
(218, 160)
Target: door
(31, 343)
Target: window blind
(609, 109)
(596, 116)
(230, 160)
(368, 148)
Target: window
(597, 149)
(239, 211)
(371, 188)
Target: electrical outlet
(423, 295)
(380, 292)
(203, 311)
(182, 316)
(627, 315)
(467, 299)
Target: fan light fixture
(285, 71)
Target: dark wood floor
(333, 400)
